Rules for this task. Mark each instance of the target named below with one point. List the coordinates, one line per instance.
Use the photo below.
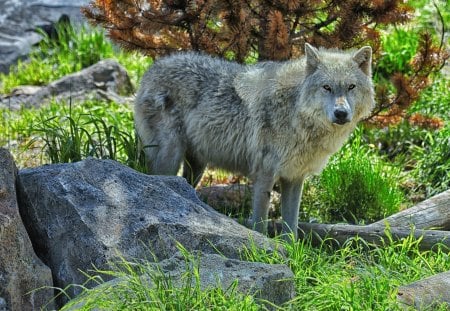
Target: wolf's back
(186, 78)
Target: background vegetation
(384, 167)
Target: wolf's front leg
(291, 192)
(261, 199)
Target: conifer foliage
(246, 30)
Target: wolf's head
(338, 85)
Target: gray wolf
(273, 121)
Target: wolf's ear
(312, 58)
(363, 57)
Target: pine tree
(249, 30)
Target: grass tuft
(356, 186)
(141, 285)
(67, 133)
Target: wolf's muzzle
(341, 116)
(341, 113)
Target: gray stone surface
(19, 20)
(430, 293)
(274, 283)
(21, 271)
(3, 305)
(268, 283)
(106, 79)
(89, 212)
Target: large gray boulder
(21, 271)
(106, 80)
(90, 212)
(19, 20)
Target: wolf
(272, 121)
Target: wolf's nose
(341, 115)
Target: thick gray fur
(273, 122)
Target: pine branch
(273, 30)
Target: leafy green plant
(356, 186)
(399, 47)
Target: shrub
(277, 30)
(356, 186)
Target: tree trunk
(338, 234)
(433, 213)
(426, 294)
(371, 234)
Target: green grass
(67, 133)
(73, 50)
(53, 59)
(356, 186)
(427, 13)
(433, 162)
(435, 100)
(356, 276)
(140, 285)
(423, 154)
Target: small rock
(267, 283)
(106, 80)
(426, 294)
(3, 305)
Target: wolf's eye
(327, 87)
(351, 86)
